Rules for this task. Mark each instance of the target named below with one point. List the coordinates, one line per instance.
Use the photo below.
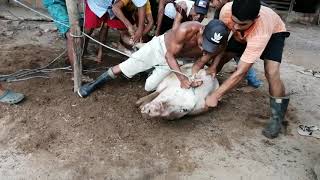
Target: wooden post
(75, 31)
(290, 9)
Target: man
(10, 97)
(257, 32)
(125, 10)
(97, 13)
(189, 39)
(58, 11)
(190, 10)
(251, 76)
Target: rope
(98, 42)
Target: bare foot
(99, 58)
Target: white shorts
(150, 55)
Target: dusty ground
(54, 134)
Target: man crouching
(186, 40)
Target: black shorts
(273, 51)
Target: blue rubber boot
(252, 78)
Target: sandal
(312, 131)
(310, 72)
(11, 97)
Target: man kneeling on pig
(186, 40)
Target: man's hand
(196, 83)
(137, 36)
(185, 83)
(212, 72)
(212, 100)
(182, 8)
(131, 30)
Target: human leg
(139, 61)
(58, 11)
(102, 36)
(278, 101)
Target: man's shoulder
(227, 7)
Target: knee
(149, 86)
(272, 74)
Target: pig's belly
(183, 100)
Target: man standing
(257, 32)
(189, 39)
(58, 11)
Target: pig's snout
(151, 109)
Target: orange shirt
(258, 35)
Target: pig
(170, 101)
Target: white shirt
(170, 10)
(100, 7)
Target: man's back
(182, 41)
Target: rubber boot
(88, 88)
(252, 78)
(279, 107)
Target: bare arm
(229, 84)
(181, 11)
(149, 25)
(160, 15)
(201, 62)
(141, 16)
(116, 8)
(175, 48)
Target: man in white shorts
(186, 40)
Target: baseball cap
(139, 3)
(201, 6)
(214, 35)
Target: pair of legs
(102, 38)
(92, 21)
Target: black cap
(215, 34)
(201, 6)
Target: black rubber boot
(88, 88)
(278, 110)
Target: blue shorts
(58, 11)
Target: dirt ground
(54, 134)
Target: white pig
(170, 101)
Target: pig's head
(172, 105)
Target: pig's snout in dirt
(152, 109)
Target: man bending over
(189, 39)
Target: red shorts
(93, 21)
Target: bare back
(182, 42)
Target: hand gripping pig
(170, 101)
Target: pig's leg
(146, 99)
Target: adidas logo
(216, 38)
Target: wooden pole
(75, 33)
(290, 9)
